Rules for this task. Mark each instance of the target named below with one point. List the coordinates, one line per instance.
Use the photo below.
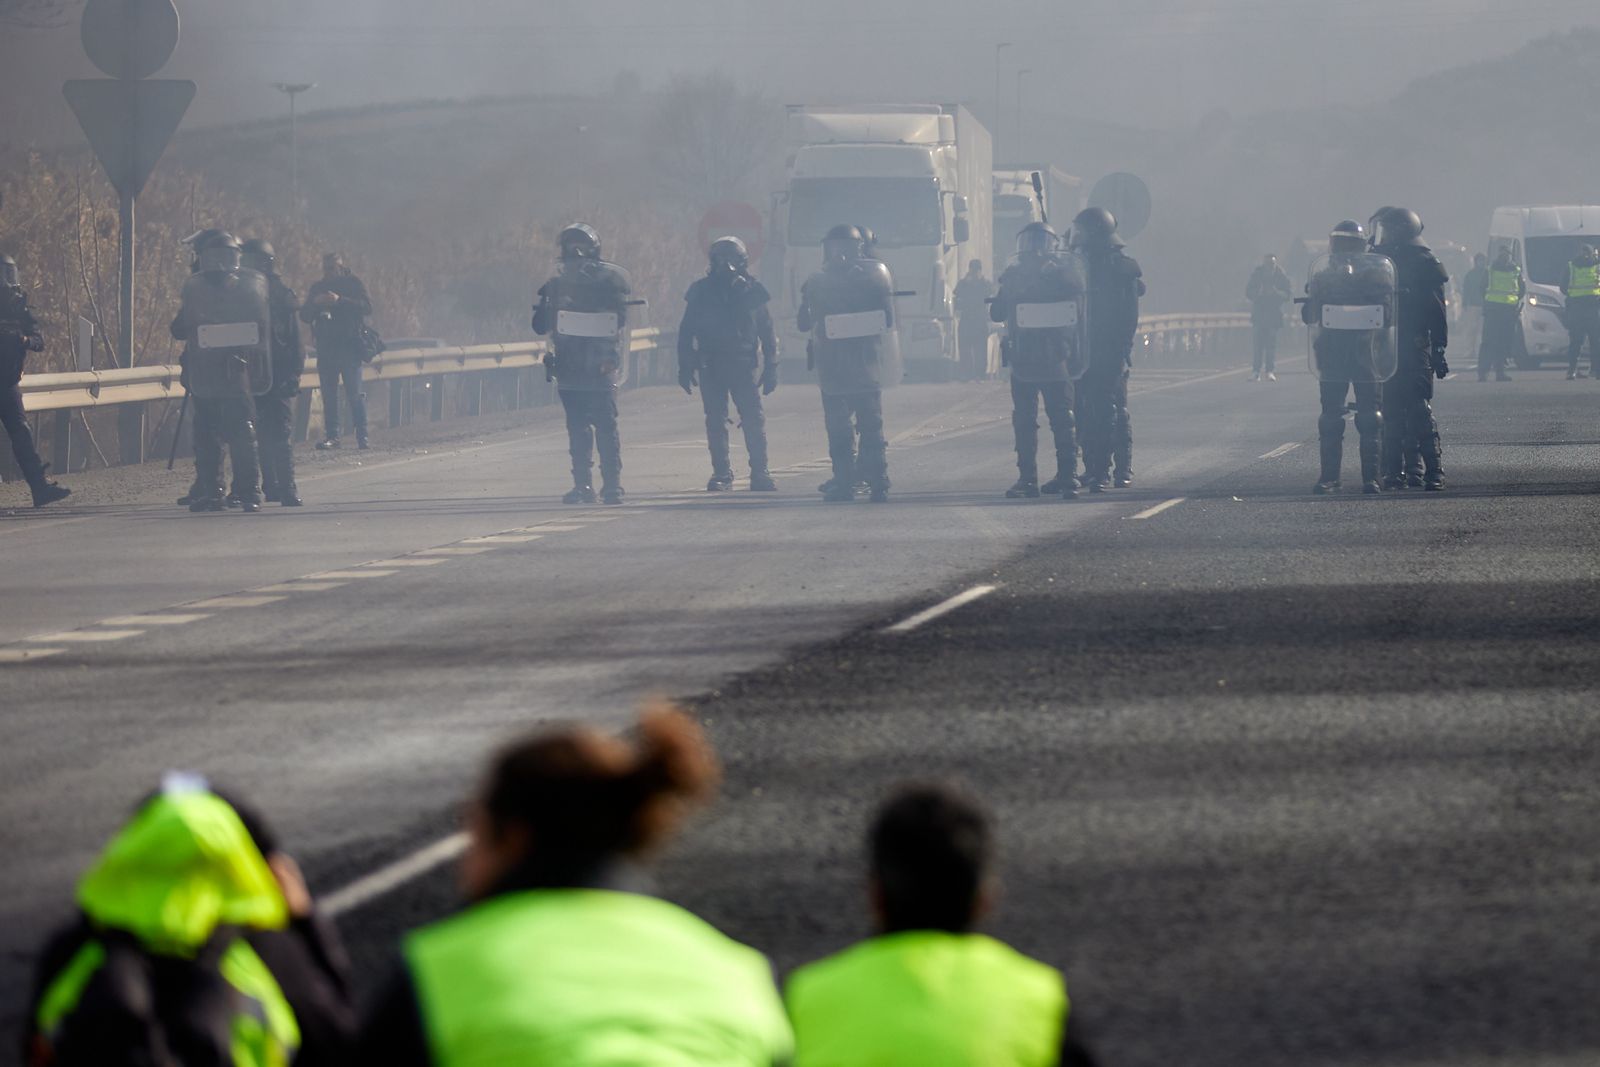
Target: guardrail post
(61, 447)
(436, 399)
(397, 401)
(302, 415)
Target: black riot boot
(582, 491)
(48, 493)
(1371, 446)
(720, 482)
(611, 491)
(761, 481)
(1026, 485)
(1330, 437)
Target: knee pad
(1369, 422)
(1330, 425)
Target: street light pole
(1020, 74)
(997, 105)
(292, 90)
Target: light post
(997, 105)
(292, 90)
(1020, 75)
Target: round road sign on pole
(734, 219)
(1127, 197)
(130, 38)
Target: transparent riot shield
(229, 347)
(1049, 326)
(1351, 307)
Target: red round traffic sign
(732, 218)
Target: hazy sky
(1141, 62)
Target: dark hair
(931, 848)
(587, 794)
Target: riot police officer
(1424, 334)
(585, 307)
(19, 335)
(848, 308)
(274, 409)
(1115, 285)
(225, 324)
(727, 340)
(1041, 300)
(1350, 306)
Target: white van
(1543, 240)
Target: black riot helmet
(579, 241)
(1393, 226)
(9, 278)
(1037, 238)
(869, 242)
(729, 255)
(1347, 238)
(843, 242)
(259, 255)
(197, 242)
(220, 255)
(1094, 227)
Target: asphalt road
(1282, 779)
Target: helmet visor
(1036, 239)
(841, 248)
(219, 258)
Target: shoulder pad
(1126, 265)
(693, 291)
(615, 274)
(756, 295)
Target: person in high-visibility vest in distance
(160, 970)
(1502, 315)
(1582, 313)
(928, 991)
(563, 957)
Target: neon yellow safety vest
(590, 977)
(1504, 287)
(1583, 279)
(181, 867)
(928, 999)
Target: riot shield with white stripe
(1350, 307)
(1048, 328)
(229, 347)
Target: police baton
(1038, 194)
(177, 431)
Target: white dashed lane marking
(84, 637)
(242, 601)
(454, 550)
(26, 655)
(404, 561)
(944, 607)
(1150, 513)
(370, 571)
(502, 539)
(300, 587)
(1281, 450)
(153, 620)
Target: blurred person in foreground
(1268, 291)
(562, 955)
(336, 308)
(197, 944)
(19, 335)
(1501, 309)
(928, 989)
(585, 309)
(726, 340)
(1582, 313)
(275, 409)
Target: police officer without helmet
(1501, 306)
(1268, 290)
(726, 340)
(1041, 303)
(337, 307)
(1582, 313)
(225, 325)
(274, 409)
(1115, 285)
(1473, 287)
(196, 943)
(848, 308)
(1423, 336)
(19, 335)
(1350, 306)
(585, 307)
(928, 989)
(564, 955)
(972, 295)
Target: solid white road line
(454, 550)
(944, 607)
(299, 587)
(152, 620)
(84, 637)
(1281, 450)
(404, 561)
(340, 576)
(236, 602)
(1150, 513)
(502, 539)
(552, 528)
(23, 655)
(370, 887)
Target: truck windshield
(901, 211)
(1548, 256)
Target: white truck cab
(1543, 240)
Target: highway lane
(317, 659)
